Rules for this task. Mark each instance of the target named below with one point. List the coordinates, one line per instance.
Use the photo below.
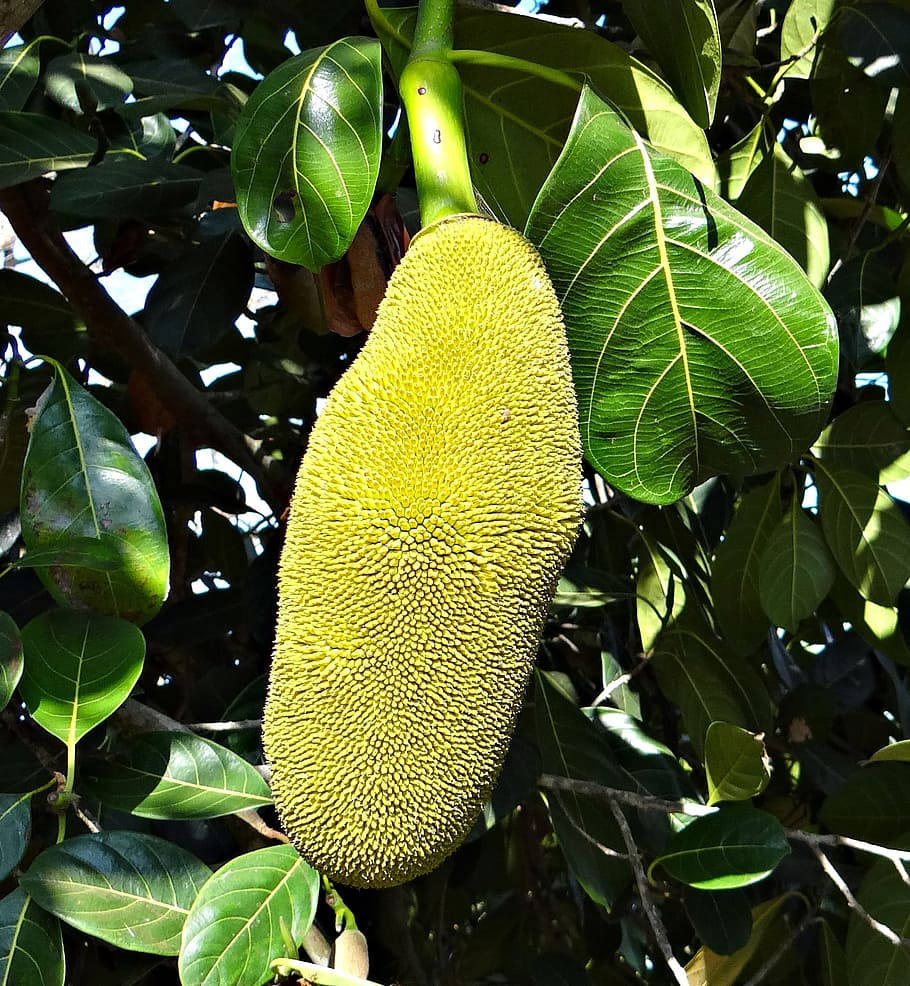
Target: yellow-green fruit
(436, 504)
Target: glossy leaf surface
(15, 822)
(735, 762)
(11, 662)
(82, 476)
(177, 776)
(306, 152)
(79, 668)
(19, 66)
(672, 391)
(126, 888)
(32, 144)
(86, 83)
(31, 944)
(243, 916)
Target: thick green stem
(430, 90)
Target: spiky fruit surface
(436, 504)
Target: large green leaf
(15, 823)
(865, 530)
(780, 198)
(82, 476)
(867, 438)
(31, 144)
(306, 152)
(72, 552)
(571, 746)
(735, 573)
(174, 775)
(872, 960)
(735, 763)
(797, 570)
(734, 847)
(126, 888)
(79, 668)
(10, 658)
(198, 298)
(872, 804)
(697, 672)
(86, 83)
(803, 25)
(49, 325)
(19, 66)
(245, 915)
(31, 944)
(698, 346)
(127, 187)
(516, 123)
(683, 37)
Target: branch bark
(26, 207)
(13, 14)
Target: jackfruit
(434, 509)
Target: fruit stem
(430, 90)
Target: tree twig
(606, 850)
(644, 892)
(645, 802)
(224, 727)
(26, 208)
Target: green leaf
(516, 123)
(876, 39)
(803, 25)
(867, 303)
(735, 762)
(198, 298)
(867, 438)
(86, 83)
(130, 890)
(722, 919)
(31, 144)
(72, 552)
(780, 198)
(31, 944)
(571, 746)
(872, 804)
(796, 571)
(865, 530)
(872, 960)
(660, 593)
(737, 164)
(83, 477)
(306, 152)
(244, 915)
(48, 323)
(10, 658)
(734, 847)
(15, 826)
(696, 671)
(893, 751)
(832, 962)
(673, 388)
(735, 572)
(79, 668)
(127, 188)
(683, 37)
(174, 776)
(19, 67)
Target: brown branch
(26, 207)
(13, 14)
(645, 802)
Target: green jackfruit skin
(435, 507)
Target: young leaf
(735, 573)
(893, 751)
(306, 152)
(796, 571)
(31, 144)
(872, 960)
(734, 847)
(174, 775)
(872, 804)
(83, 477)
(238, 922)
(683, 37)
(780, 198)
(19, 67)
(11, 662)
(128, 889)
(31, 943)
(735, 762)
(79, 668)
(865, 530)
(15, 822)
(673, 389)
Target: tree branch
(645, 802)
(26, 207)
